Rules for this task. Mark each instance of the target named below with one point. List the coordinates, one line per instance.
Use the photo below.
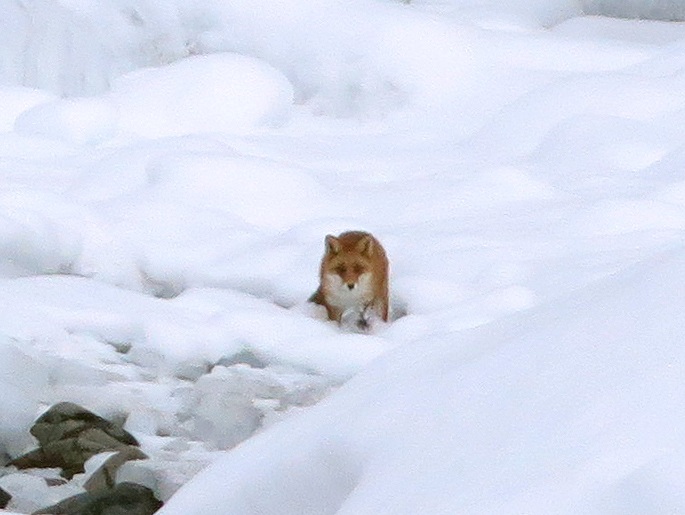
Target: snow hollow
(168, 174)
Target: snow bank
(79, 121)
(508, 15)
(218, 93)
(195, 329)
(565, 409)
(159, 237)
(16, 100)
(341, 57)
(38, 232)
(353, 57)
(262, 194)
(78, 47)
(23, 377)
(666, 10)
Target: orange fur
(353, 275)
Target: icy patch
(228, 405)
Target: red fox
(353, 278)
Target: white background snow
(169, 169)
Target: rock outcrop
(123, 499)
(68, 436)
(4, 499)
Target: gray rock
(66, 419)
(244, 357)
(69, 435)
(4, 499)
(124, 499)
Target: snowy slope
(569, 408)
(164, 197)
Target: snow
(76, 121)
(228, 93)
(169, 173)
(557, 409)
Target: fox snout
(350, 279)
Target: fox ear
(332, 244)
(365, 246)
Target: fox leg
(376, 310)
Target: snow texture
(169, 171)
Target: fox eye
(341, 269)
(358, 269)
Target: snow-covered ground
(168, 172)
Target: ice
(229, 404)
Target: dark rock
(4, 457)
(55, 481)
(69, 435)
(124, 499)
(69, 454)
(67, 419)
(4, 499)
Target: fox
(353, 279)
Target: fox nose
(350, 286)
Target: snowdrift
(570, 408)
(165, 194)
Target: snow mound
(22, 379)
(213, 93)
(666, 10)
(16, 100)
(79, 121)
(534, 414)
(261, 193)
(158, 243)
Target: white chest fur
(339, 295)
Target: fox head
(348, 257)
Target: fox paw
(359, 321)
(353, 320)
